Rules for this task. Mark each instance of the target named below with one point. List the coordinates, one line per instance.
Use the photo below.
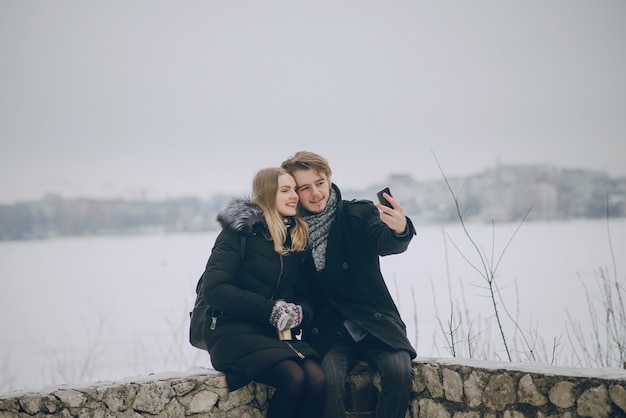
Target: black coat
(242, 293)
(351, 285)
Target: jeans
(394, 366)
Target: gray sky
(114, 98)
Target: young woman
(252, 284)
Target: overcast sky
(165, 98)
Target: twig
(487, 264)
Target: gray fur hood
(241, 215)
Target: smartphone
(381, 199)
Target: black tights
(299, 389)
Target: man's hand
(393, 218)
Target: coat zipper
(296, 351)
(280, 276)
(277, 286)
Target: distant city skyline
(162, 99)
(358, 190)
(354, 184)
(500, 194)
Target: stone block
(499, 392)
(528, 393)
(452, 385)
(617, 393)
(594, 403)
(433, 383)
(562, 394)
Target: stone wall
(441, 389)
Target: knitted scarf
(319, 226)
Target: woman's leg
(312, 398)
(289, 380)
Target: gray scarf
(319, 226)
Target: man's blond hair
(307, 160)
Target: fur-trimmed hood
(241, 215)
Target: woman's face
(286, 197)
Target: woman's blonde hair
(264, 191)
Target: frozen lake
(78, 310)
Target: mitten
(279, 318)
(296, 314)
(285, 315)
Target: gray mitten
(279, 318)
(296, 314)
(285, 315)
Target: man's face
(313, 188)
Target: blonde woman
(253, 292)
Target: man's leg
(335, 364)
(396, 378)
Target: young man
(355, 316)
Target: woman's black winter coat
(242, 292)
(351, 286)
